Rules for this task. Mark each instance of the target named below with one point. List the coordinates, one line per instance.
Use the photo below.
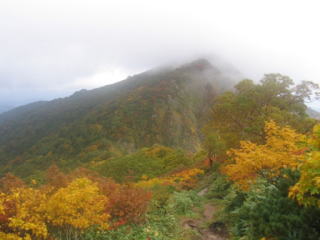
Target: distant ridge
(313, 113)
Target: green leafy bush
(160, 225)
(219, 186)
(183, 202)
(152, 162)
(266, 211)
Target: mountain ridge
(159, 106)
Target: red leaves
(10, 182)
(56, 178)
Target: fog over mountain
(50, 49)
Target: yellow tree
(282, 149)
(28, 219)
(76, 207)
(307, 190)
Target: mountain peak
(201, 66)
(201, 61)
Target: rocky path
(215, 231)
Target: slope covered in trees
(162, 106)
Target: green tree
(240, 115)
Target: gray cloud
(51, 48)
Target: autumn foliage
(282, 149)
(306, 191)
(67, 205)
(70, 203)
(183, 179)
(10, 182)
(79, 205)
(127, 204)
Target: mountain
(313, 113)
(164, 106)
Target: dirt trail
(216, 230)
(209, 211)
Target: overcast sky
(52, 48)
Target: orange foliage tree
(56, 178)
(128, 204)
(9, 182)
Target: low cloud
(51, 48)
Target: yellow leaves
(315, 139)
(2, 200)
(283, 139)
(187, 174)
(317, 181)
(180, 178)
(306, 191)
(77, 206)
(152, 182)
(144, 177)
(11, 236)
(281, 150)
(29, 205)
(293, 191)
(80, 205)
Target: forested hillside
(162, 106)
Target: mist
(50, 49)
